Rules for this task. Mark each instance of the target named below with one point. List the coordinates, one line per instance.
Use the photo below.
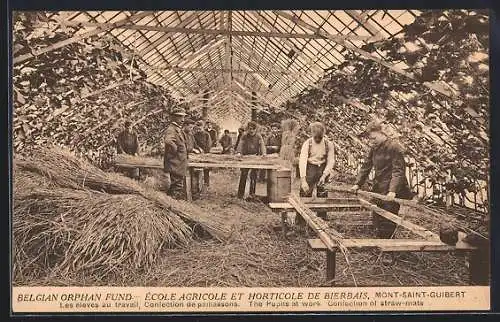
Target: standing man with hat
(386, 157)
(204, 142)
(175, 161)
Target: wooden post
(330, 266)
(189, 175)
(284, 227)
(479, 266)
(200, 181)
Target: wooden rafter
(227, 70)
(194, 56)
(240, 33)
(362, 20)
(227, 46)
(289, 43)
(360, 51)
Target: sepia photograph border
(190, 5)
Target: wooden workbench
(199, 162)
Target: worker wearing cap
(191, 144)
(238, 139)
(386, 157)
(202, 137)
(127, 142)
(273, 141)
(251, 143)
(213, 135)
(226, 142)
(175, 160)
(204, 143)
(316, 162)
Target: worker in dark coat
(238, 139)
(213, 134)
(251, 143)
(386, 157)
(175, 161)
(127, 142)
(226, 142)
(273, 142)
(204, 142)
(273, 145)
(202, 138)
(191, 144)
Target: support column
(330, 267)
(187, 185)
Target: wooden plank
(127, 161)
(286, 205)
(395, 245)
(329, 200)
(80, 37)
(330, 237)
(368, 194)
(416, 229)
(235, 165)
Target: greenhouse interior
(184, 148)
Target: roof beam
(227, 70)
(227, 43)
(362, 19)
(286, 41)
(194, 56)
(147, 51)
(241, 33)
(361, 52)
(96, 31)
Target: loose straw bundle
(75, 231)
(67, 171)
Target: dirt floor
(258, 254)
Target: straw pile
(76, 231)
(67, 171)
(72, 218)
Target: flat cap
(372, 126)
(178, 111)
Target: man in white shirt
(316, 162)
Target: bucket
(279, 185)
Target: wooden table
(195, 167)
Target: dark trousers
(385, 228)
(262, 175)
(313, 174)
(176, 189)
(243, 182)
(206, 177)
